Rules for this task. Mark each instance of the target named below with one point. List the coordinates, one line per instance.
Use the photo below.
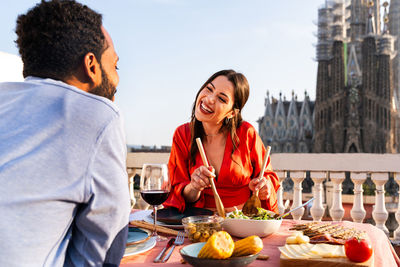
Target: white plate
(145, 215)
(139, 248)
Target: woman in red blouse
(233, 148)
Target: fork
(178, 241)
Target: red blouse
(236, 171)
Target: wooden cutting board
(325, 262)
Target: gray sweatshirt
(64, 197)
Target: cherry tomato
(358, 250)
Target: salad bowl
(239, 225)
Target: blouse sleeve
(257, 157)
(178, 167)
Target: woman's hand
(263, 185)
(200, 178)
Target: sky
(169, 48)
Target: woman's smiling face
(215, 101)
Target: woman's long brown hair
(241, 94)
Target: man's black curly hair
(54, 36)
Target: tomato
(358, 250)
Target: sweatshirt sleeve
(99, 230)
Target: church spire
(292, 111)
(371, 21)
(305, 119)
(266, 100)
(280, 118)
(385, 19)
(268, 107)
(386, 40)
(377, 16)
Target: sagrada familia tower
(357, 93)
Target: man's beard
(105, 89)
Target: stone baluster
(396, 234)
(131, 175)
(336, 211)
(279, 193)
(317, 210)
(297, 178)
(357, 211)
(380, 214)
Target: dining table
(384, 253)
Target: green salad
(263, 214)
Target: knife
(169, 244)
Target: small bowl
(248, 227)
(200, 228)
(189, 254)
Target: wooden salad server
(251, 205)
(218, 202)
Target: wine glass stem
(155, 219)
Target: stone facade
(357, 91)
(287, 126)
(356, 106)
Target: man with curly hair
(64, 197)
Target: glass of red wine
(155, 186)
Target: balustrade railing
(322, 167)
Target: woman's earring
(227, 120)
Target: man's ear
(92, 69)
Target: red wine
(154, 197)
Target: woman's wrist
(190, 193)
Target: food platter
(324, 245)
(324, 262)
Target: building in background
(287, 126)
(394, 29)
(142, 148)
(357, 96)
(356, 107)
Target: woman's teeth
(205, 108)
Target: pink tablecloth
(383, 251)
